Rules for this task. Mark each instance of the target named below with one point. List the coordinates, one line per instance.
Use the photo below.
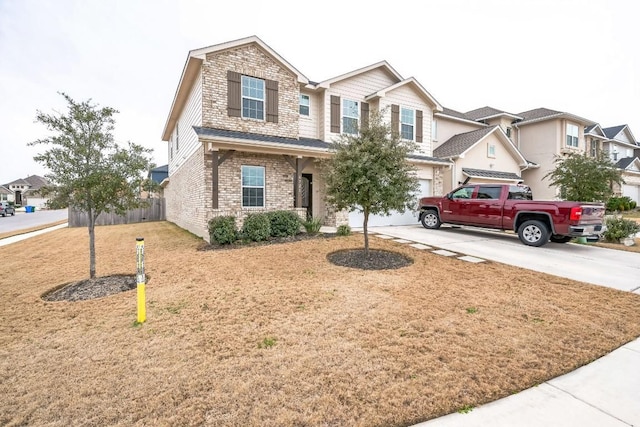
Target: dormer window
(252, 98)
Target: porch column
(214, 179)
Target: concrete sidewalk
(603, 393)
(17, 238)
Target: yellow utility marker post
(142, 309)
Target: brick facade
(248, 60)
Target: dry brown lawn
(278, 336)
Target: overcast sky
(581, 57)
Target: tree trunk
(92, 245)
(366, 233)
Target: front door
(307, 194)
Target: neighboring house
(26, 191)
(622, 148)
(482, 155)
(6, 195)
(246, 131)
(543, 134)
(157, 176)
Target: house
(156, 176)
(246, 131)
(479, 146)
(26, 191)
(543, 134)
(623, 150)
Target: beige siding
(407, 97)
(249, 60)
(448, 128)
(355, 88)
(188, 140)
(478, 158)
(309, 126)
(503, 122)
(539, 142)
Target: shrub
(257, 227)
(620, 228)
(312, 225)
(284, 223)
(344, 230)
(222, 229)
(633, 204)
(623, 203)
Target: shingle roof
(613, 131)
(302, 142)
(454, 113)
(483, 112)
(164, 168)
(5, 190)
(36, 182)
(538, 113)
(590, 128)
(481, 173)
(460, 143)
(428, 158)
(18, 182)
(624, 163)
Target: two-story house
(246, 130)
(623, 150)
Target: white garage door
(356, 219)
(632, 191)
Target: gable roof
(458, 145)
(541, 114)
(5, 190)
(626, 162)
(484, 113)
(382, 64)
(36, 182)
(20, 181)
(594, 129)
(449, 113)
(613, 132)
(411, 81)
(192, 67)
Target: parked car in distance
(511, 207)
(6, 209)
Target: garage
(631, 191)
(356, 219)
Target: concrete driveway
(585, 263)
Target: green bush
(257, 227)
(312, 225)
(633, 204)
(623, 203)
(344, 230)
(222, 230)
(620, 228)
(284, 223)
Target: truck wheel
(533, 233)
(430, 219)
(556, 238)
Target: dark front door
(306, 193)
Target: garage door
(356, 219)
(632, 191)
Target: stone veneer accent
(438, 181)
(249, 60)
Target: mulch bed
(377, 259)
(93, 288)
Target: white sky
(582, 57)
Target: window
(594, 147)
(407, 123)
(304, 105)
(572, 135)
(350, 116)
(520, 192)
(252, 186)
(491, 150)
(463, 193)
(489, 192)
(434, 130)
(252, 98)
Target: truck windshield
(520, 192)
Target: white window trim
(342, 116)
(412, 125)
(264, 187)
(308, 105)
(263, 100)
(491, 147)
(576, 136)
(434, 130)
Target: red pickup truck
(511, 207)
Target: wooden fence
(155, 211)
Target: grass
(278, 336)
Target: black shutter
(272, 100)
(233, 94)
(335, 114)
